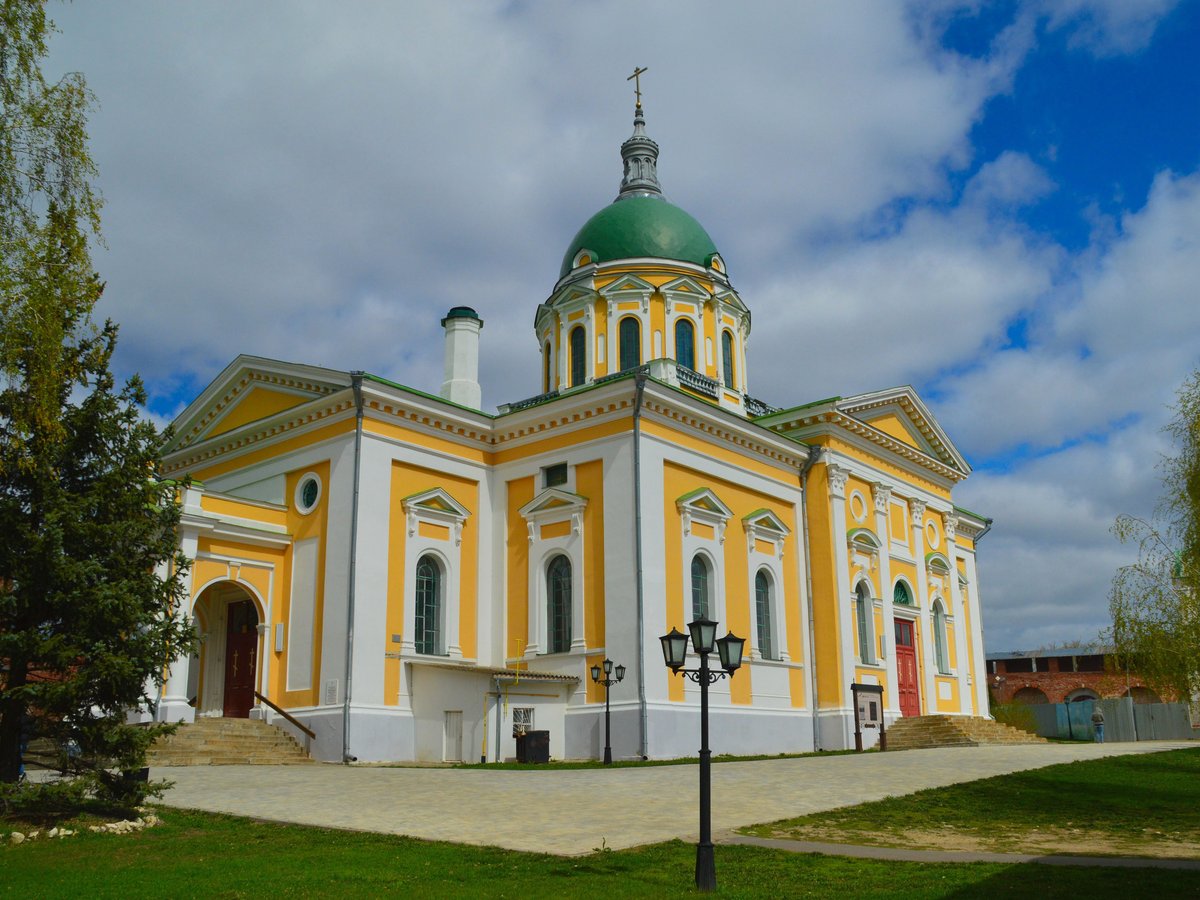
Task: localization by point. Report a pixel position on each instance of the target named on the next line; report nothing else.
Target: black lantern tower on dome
(703, 633)
(608, 681)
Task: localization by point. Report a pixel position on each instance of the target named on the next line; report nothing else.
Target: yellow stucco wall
(678, 481)
(407, 480)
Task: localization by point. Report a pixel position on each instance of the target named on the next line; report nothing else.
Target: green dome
(641, 226)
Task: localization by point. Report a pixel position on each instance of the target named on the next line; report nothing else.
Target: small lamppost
(729, 650)
(608, 681)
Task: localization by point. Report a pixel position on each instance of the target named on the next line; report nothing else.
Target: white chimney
(461, 386)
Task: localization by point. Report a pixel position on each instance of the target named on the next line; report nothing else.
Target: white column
(928, 691)
(174, 707)
(562, 351)
(718, 353)
(613, 358)
(962, 656)
(882, 494)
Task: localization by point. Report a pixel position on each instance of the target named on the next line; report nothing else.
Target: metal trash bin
(533, 747)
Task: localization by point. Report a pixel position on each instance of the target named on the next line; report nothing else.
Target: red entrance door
(241, 648)
(906, 670)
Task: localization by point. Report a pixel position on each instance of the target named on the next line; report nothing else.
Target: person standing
(1098, 724)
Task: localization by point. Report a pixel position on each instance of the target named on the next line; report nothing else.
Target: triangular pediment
(705, 501)
(437, 501)
(251, 389)
(765, 520)
(902, 415)
(552, 502)
(571, 295)
(628, 286)
(685, 286)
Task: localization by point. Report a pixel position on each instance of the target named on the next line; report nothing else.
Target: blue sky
(997, 203)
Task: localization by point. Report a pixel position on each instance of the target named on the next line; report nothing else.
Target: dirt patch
(1065, 841)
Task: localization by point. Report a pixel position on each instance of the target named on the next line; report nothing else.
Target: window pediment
(687, 289)
(938, 567)
(628, 288)
(864, 547)
(764, 525)
(937, 564)
(554, 505)
(438, 507)
(705, 507)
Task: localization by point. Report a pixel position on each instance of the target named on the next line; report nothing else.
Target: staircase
(919, 732)
(227, 742)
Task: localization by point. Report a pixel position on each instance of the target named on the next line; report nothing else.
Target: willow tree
(1155, 601)
(89, 574)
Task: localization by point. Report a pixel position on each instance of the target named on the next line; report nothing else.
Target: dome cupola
(640, 223)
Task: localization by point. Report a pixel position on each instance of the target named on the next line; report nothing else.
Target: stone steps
(227, 742)
(919, 732)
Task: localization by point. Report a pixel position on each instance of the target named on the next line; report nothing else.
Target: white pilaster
(882, 494)
(979, 684)
(961, 655)
(843, 600)
(929, 696)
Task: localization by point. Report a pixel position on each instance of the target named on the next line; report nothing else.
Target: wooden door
(241, 650)
(906, 670)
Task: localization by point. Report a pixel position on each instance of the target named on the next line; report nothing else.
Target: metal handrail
(287, 715)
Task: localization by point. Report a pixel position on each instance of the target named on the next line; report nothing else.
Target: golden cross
(637, 83)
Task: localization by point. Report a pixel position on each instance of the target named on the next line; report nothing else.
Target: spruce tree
(90, 577)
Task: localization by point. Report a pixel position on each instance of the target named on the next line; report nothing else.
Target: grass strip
(203, 855)
(1144, 798)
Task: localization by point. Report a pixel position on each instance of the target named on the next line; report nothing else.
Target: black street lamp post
(729, 650)
(608, 681)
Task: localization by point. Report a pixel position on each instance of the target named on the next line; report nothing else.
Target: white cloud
(1108, 27)
(1049, 561)
(267, 167)
(290, 181)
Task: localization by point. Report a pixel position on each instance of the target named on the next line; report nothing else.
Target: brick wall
(1057, 685)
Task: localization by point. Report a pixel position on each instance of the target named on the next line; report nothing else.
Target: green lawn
(1151, 798)
(199, 855)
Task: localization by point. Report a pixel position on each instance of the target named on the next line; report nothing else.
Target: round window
(308, 492)
(933, 534)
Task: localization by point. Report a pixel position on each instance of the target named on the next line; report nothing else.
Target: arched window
(578, 356)
(762, 605)
(558, 605)
(864, 612)
(940, 651)
(685, 343)
(727, 357)
(546, 382)
(701, 588)
(428, 637)
(631, 343)
(901, 595)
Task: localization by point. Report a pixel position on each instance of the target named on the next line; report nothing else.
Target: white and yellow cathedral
(415, 579)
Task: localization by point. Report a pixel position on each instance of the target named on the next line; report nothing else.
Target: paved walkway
(575, 811)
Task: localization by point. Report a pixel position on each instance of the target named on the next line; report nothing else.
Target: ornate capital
(950, 527)
(883, 496)
(916, 509)
(837, 480)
